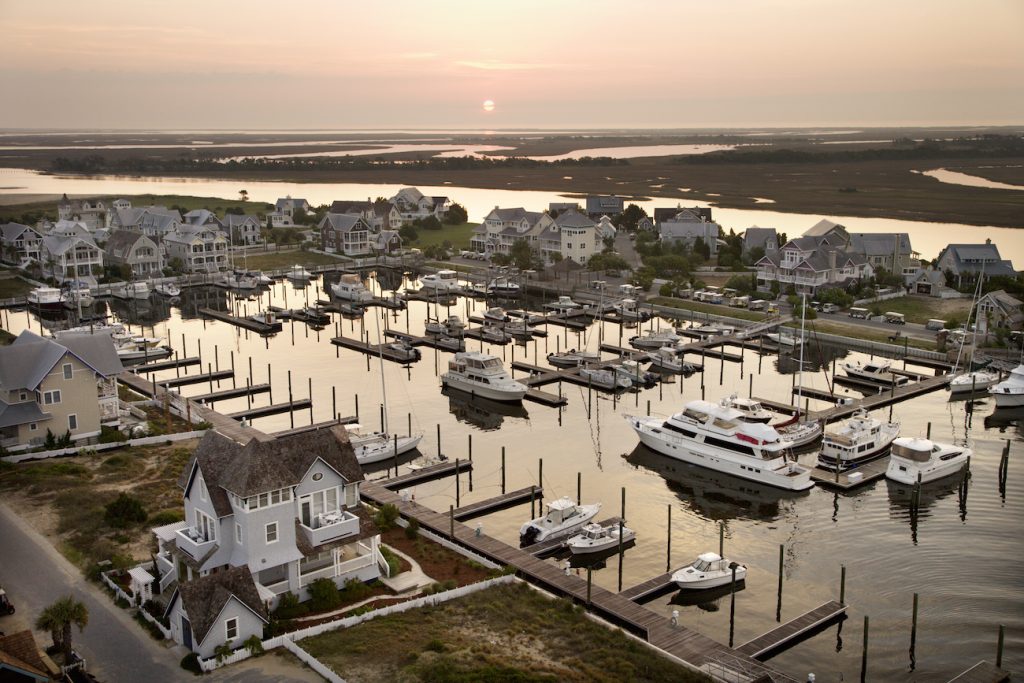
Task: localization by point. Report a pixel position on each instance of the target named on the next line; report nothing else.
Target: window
(32, 427)
(238, 533)
(231, 628)
(24, 396)
(72, 422)
(202, 489)
(51, 397)
(67, 371)
(271, 531)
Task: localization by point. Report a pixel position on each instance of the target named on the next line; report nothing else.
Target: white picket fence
(313, 663)
(156, 622)
(117, 589)
(346, 622)
(98, 447)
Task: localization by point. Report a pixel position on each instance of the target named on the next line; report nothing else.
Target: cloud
(496, 65)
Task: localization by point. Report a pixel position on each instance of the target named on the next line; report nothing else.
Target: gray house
(967, 261)
(21, 242)
(135, 250)
(241, 230)
(609, 205)
(686, 226)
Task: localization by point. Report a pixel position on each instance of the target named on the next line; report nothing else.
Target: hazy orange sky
(548, 63)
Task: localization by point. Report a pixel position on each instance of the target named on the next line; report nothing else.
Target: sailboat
(972, 381)
(371, 447)
(800, 433)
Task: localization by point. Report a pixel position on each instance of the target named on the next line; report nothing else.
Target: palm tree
(58, 619)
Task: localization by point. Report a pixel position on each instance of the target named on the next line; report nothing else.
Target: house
(120, 204)
(284, 211)
(931, 282)
(217, 609)
(69, 252)
(413, 204)
(559, 207)
(386, 216)
(645, 223)
(90, 213)
(21, 242)
(571, 234)
(153, 221)
(502, 228)
(21, 660)
(598, 205)
(687, 226)
(68, 386)
(135, 250)
(386, 241)
(201, 217)
(341, 233)
(664, 214)
(605, 229)
(275, 514)
(817, 260)
(888, 250)
(966, 261)
(200, 249)
(998, 309)
(241, 230)
(765, 239)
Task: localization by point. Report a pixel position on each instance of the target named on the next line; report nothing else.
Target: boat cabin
(711, 562)
(559, 511)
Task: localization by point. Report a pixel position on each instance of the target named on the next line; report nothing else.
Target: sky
(342, 64)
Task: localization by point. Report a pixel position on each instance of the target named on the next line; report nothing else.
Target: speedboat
(236, 280)
(637, 376)
(667, 360)
(483, 375)
(563, 304)
(1010, 392)
(628, 310)
(709, 570)
(168, 289)
(502, 287)
(377, 446)
(130, 290)
(861, 439)
(604, 379)
(564, 517)
(708, 331)
(494, 334)
(299, 275)
(496, 314)
(530, 318)
(975, 381)
(750, 409)
(402, 351)
(572, 358)
(715, 436)
(877, 371)
(351, 288)
(655, 340)
(785, 339)
(916, 459)
(441, 281)
(593, 538)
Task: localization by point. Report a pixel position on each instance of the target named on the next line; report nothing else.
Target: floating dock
(372, 349)
(198, 378)
(305, 429)
(272, 409)
(650, 589)
(869, 472)
(244, 323)
(794, 630)
(883, 399)
(983, 672)
(505, 500)
(168, 364)
(238, 392)
(429, 473)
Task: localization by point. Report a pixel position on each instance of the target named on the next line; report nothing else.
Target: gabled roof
(969, 257)
(880, 243)
(343, 222)
(755, 237)
(120, 242)
(12, 414)
(12, 231)
(515, 214)
(665, 214)
(352, 207)
(294, 201)
(187, 233)
(95, 350)
(802, 243)
(19, 653)
(822, 228)
(1003, 301)
(230, 220)
(205, 598)
(29, 358)
(200, 217)
(573, 219)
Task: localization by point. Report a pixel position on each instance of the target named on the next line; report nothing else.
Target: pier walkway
(793, 630)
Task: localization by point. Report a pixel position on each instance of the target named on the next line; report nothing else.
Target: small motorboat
(628, 310)
(434, 327)
(450, 343)
(709, 570)
(518, 329)
(238, 280)
(299, 275)
(915, 459)
(494, 334)
(785, 339)
(604, 379)
(530, 318)
(502, 287)
(667, 360)
(655, 340)
(351, 288)
(572, 358)
(168, 289)
(268, 318)
(637, 376)
(402, 351)
(454, 327)
(878, 372)
(564, 304)
(593, 538)
(312, 315)
(800, 434)
(496, 314)
(563, 518)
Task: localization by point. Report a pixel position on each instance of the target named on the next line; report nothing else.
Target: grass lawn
(702, 307)
(274, 260)
(869, 334)
(458, 235)
(921, 309)
(11, 287)
(505, 633)
(13, 212)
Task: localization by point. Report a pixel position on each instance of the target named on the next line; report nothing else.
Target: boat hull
(1008, 400)
(831, 462)
(980, 384)
(701, 582)
(381, 447)
(905, 472)
(474, 389)
(612, 541)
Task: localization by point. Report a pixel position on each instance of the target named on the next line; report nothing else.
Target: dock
(198, 378)
(244, 323)
(650, 589)
(869, 472)
(553, 546)
(305, 429)
(429, 473)
(505, 500)
(239, 392)
(415, 340)
(272, 409)
(168, 364)
(794, 630)
(883, 399)
(540, 376)
(775, 406)
(983, 672)
(372, 349)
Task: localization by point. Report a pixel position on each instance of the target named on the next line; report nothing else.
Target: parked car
(829, 308)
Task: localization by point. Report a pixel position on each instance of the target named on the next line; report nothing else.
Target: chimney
(832, 259)
(988, 240)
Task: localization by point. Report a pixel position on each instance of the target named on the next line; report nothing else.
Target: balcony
(331, 526)
(191, 541)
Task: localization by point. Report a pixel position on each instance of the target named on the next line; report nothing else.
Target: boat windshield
(702, 565)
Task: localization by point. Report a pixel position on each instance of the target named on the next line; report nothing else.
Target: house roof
(120, 242)
(95, 350)
(970, 257)
(204, 598)
(12, 414)
(755, 237)
(1007, 303)
(665, 214)
(12, 231)
(343, 222)
(880, 243)
(28, 359)
(19, 652)
(294, 201)
(514, 214)
(822, 228)
(342, 206)
(573, 219)
(200, 217)
(230, 220)
(802, 243)
(186, 233)
(260, 466)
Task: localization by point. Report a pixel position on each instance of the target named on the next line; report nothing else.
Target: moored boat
(876, 371)
(563, 518)
(483, 375)
(604, 379)
(572, 358)
(441, 281)
(915, 459)
(750, 409)
(594, 538)
(378, 446)
(637, 376)
(709, 570)
(1010, 392)
(655, 340)
(168, 289)
(563, 304)
(860, 439)
(975, 381)
(351, 288)
(667, 360)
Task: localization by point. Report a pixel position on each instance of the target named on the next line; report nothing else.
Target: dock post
(589, 570)
(357, 407)
(782, 557)
(270, 383)
(234, 383)
(590, 397)
(999, 646)
(621, 550)
(451, 522)
(928, 432)
(864, 654)
(396, 455)
(251, 380)
(409, 423)
(209, 370)
(721, 364)
(503, 472)
(334, 402)
(470, 463)
(732, 603)
(842, 584)
(721, 539)
(913, 630)
(439, 439)
(309, 388)
(382, 417)
(540, 483)
(751, 393)
(533, 509)
(648, 407)
(668, 541)
(579, 488)
(458, 497)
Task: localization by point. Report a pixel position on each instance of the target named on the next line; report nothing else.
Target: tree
(244, 194)
(124, 511)
(408, 234)
(457, 215)
(428, 223)
(631, 216)
(300, 216)
(521, 255)
(59, 617)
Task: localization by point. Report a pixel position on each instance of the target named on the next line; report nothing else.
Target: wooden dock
(983, 672)
(372, 349)
(415, 340)
(168, 364)
(272, 409)
(244, 323)
(793, 631)
(775, 406)
(650, 589)
(553, 546)
(505, 500)
(429, 473)
(198, 378)
(305, 429)
(238, 392)
(540, 376)
(883, 399)
(869, 472)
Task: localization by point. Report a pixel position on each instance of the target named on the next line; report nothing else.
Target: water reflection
(716, 495)
(481, 412)
(817, 357)
(709, 599)
(1005, 419)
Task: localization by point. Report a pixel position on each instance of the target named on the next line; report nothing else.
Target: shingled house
(286, 510)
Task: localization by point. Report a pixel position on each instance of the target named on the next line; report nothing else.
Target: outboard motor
(528, 537)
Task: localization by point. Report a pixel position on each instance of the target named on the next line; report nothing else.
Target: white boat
(530, 318)
(667, 360)
(450, 343)
(628, 310)
(402, 351)
(655, 340)
(975, 381)
(637, 376)
(563, 518)
(238, 280)
(454, 327)
(563, 304)
(482, 375)
(519, 329)
(916, 459)
(785, 339)
(378, 446)
(861, 439)
(1010, 392)
(168, 289)
(262, 279)
(709, 570)
(594, 538)
(77, 293)
(496, 314)
(45, 298)
(130, 290)
(434, 327)
(800, 434)
(604, 379)
(299, 274)
(877, 371)
(572, 358)
(441, 281)
(130, 351)
(351, 288)
(502, 287)
(750, 410)
(266, 318)
(708, 331)
(494, 334)
(715, 436)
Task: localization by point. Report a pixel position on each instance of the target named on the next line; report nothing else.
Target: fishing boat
(667, 360)
(594, 538)
(351, 288)
(1010, 392)
(785, 339)
(750, 409)
(441, 281)
(715, 436)
(876, 371)
(572, 358)
(859, 440)
(637, 376)
(494, 334)
(496, 314)
(268, 318)
(130, 290)
(299, 275)
(130, 351)
(502, 286)
(563, 304)
(262, 279)
(454, 327)
(168, 289)
(402, 351)
(483, 375)
(529, 318)
(604, 379)
(630, 311)
(709, 570)
(562, 519)
(312, 315)
(655, 340)
(371, 447)
(913, 460)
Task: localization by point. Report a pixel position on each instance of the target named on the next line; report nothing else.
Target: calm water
(635, 151)
(927, 238)
(962, 557)
(957, 178)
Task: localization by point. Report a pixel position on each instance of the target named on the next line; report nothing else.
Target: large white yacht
(877, 371)
(1010, 392)
(441, 281)
(563, 517)
(915, 457)
(716, 436)
(482, 375)
(861, 439)
(351, 288)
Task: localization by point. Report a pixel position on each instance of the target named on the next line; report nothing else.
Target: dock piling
(668, 541)
(864, 654)
(579, 488)
(842, 584)
(999, 646)
(721, 539)
(782, 557)
(503, 474)
(913, 632)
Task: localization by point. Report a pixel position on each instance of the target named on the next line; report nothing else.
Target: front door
(186, 633)
(306, 513)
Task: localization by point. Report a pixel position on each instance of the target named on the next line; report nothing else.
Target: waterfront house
(386, 241)
(998, 309)
(888, 250)
(342, 233)
(69, 252)
(666, 214)
(200, 249)
(765, 239)
(285, 510)
(62, 387)
(501, 229)
(153, 221)
(90, 213)
(284, 211)
(571, 234)
(21, 242)
(135, 250)
(817, 260)
(413, 204)
(241, 230)
(687, 226)
(604, 205)
(967, 261)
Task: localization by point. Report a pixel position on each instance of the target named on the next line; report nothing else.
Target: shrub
(434, 645)
(289, 607)
(386, 517)
(413, 530)
(354, 591)
(253, 645)
(394, 562)
(190, 662)
(124, 511)
(323, 595)
(149, 626)
(166, 517)
(111, 435)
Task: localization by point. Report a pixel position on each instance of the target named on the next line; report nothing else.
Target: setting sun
(488, 105)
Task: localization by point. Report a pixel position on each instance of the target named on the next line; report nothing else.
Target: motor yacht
(1010, 392)
(572, 358)
(655, 340)
(709, 570)
(441, 281)
(594, 538)
(860, 439)
(750, 409)
(877, 371)
(563, 518)
(483, 375)
(351, 288)
(916, 459)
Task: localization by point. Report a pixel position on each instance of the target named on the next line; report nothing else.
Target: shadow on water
(481, 412)
(715, 495)
(709, 599)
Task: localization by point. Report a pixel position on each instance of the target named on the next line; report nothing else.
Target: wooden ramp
(983, 672)
(794, 630)
(168, 364)
(238, 392)
(273, 409)
(650, 589)
(505, 500)
(429, 473)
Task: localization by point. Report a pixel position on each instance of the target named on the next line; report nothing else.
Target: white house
(501, 228)
(413, 204)
(69, 252)
(21, 242)
(135, 250)
(201, 249)
(241, 230)
(284, 211)
(570, 234)
(687, 226)
(90, 213)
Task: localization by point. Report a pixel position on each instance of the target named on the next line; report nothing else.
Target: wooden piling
(782, 557)
(668, 541)
(864, 654)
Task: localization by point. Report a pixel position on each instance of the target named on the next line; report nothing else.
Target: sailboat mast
(383, 384)
(800, 370)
